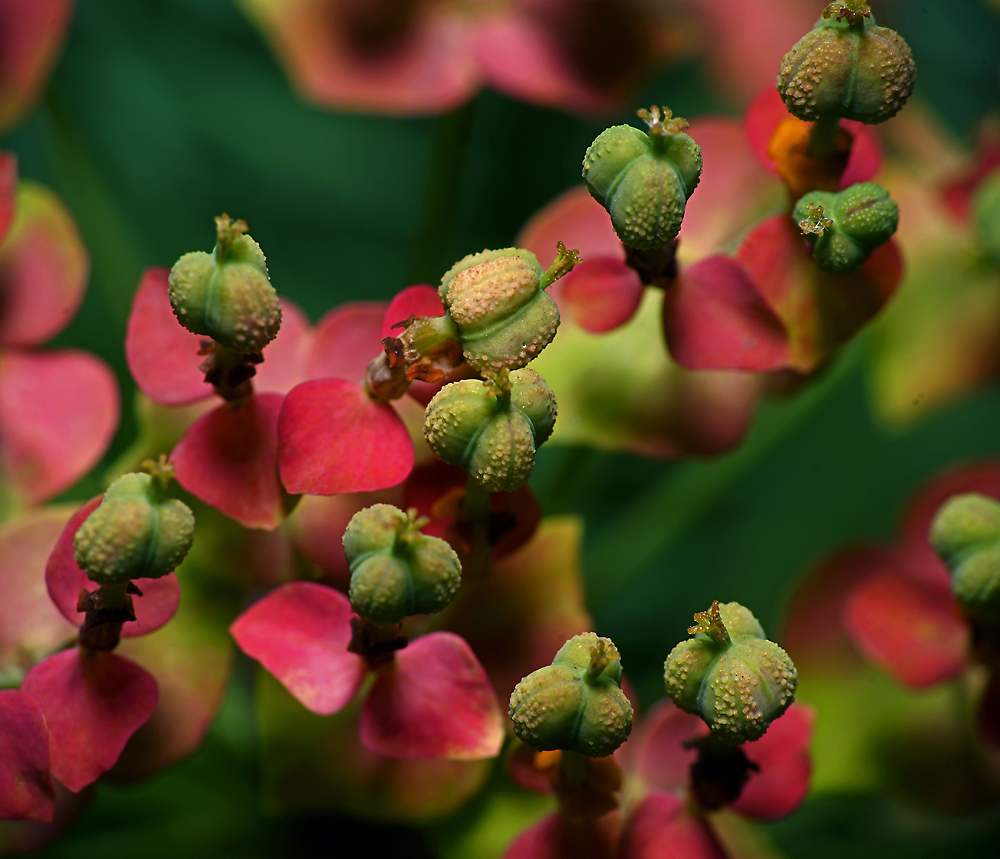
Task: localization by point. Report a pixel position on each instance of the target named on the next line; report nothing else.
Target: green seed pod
(498, 303)
(226, 295)
(644, 180)
(491, 433)
(395, 570)
(135, 533)
(847, 68)
(986, 215)
(846, 226)
(966, 535)
(576, 703)
(730, 675)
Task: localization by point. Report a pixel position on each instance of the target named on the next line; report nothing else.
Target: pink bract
(229, 459)
(58, 412)
(662, 825)
(334, 438)
(30, 37)
(92, 705)
(300, 634)
(64, 578)
(433, 701)
(557, 837)
(26, 791)
(8, 190)
(345, 341)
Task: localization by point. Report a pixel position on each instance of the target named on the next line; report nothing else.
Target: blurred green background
(163, 113)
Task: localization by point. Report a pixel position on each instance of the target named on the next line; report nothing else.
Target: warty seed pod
(847, 69)
(395, 570)
(846, 226)
(644, 180)
(226, 295)
(498, 302)
(491, 434)
(965, 534)
(576, 703)
(730, 675)
(135, 533)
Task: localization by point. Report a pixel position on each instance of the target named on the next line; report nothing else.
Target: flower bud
(644, 180)
(846, 226)
(498, 302)
(490, 432)
(135, 533)
(730, 675)
(966, 535)
(226, 295)
(847, 68)
(395, 570)
(576, 703)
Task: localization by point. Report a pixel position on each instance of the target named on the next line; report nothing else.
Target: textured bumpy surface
(966, 535)
(644, 181)
(844, 71)
(863, 217)
(230, 300)
(134, 533)
(494, 438)
(561, 706)
(503, 315)
(737, 686)
(395, 570)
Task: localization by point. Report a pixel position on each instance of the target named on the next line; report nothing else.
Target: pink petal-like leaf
(714, 318)
(819, 310)
(64, 578)
(661, 825)
(26, 791)
(577, 220)
(300, 634)
(909, 627)
(30, 623)
(558, 837)
(601, 294)
(43, 269)
(371, 56)
(767, 111)
(656, 751)
(335, 439)
(229, 459)
(30, 37)
(190, 658)
(8, 191)
(92, 704)
(345, 341)
(162, 355)
(419, 300)
(433, 701)
(58, 413)
(286, 357)
(782, 754)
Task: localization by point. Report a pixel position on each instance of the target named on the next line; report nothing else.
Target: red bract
(30, 37)
(26, 791)
(428, 56)
(92, 703)
(64, 578)
(301, 632)
(58, 410)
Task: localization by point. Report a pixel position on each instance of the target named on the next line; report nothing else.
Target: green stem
(476, 512)
(823, 136)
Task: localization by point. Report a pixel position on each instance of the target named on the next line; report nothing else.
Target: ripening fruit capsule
(135, 533)
(966, 535)
(847, 69)
(395, 570)
(226, 294)
(576, 703)
(490, 432)
(644, 180)
(498, 302)
(730, 675)
(846, 226)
